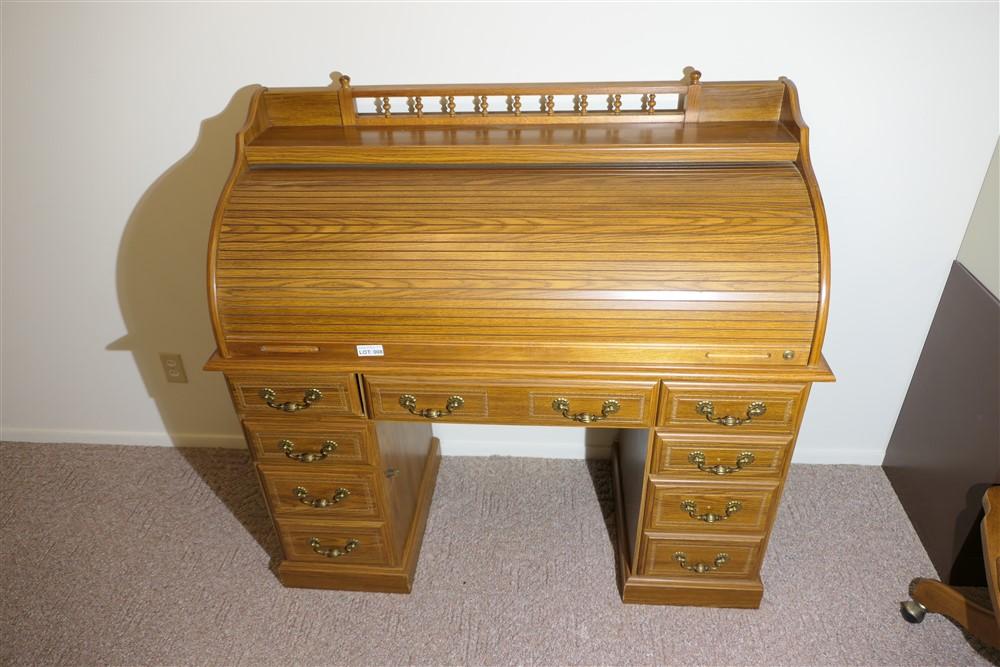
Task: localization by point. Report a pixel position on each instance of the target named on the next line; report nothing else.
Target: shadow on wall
(163, 298)
(162, 285)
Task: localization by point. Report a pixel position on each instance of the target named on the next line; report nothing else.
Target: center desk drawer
(288, 396)
(559, 403)
(337, 495)
(731, 408)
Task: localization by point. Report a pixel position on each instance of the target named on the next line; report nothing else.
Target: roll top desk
(644, 256)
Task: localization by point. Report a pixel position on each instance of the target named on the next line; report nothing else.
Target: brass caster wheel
(912, 611)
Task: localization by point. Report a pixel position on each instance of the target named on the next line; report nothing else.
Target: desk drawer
(731, 408)
(559, 403)
(709, 508)
(690, 557)
(312, 445)
(706, 456)
(290, 397)
(355, 544)
(337, 495)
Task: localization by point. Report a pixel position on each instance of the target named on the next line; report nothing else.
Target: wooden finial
(345, 81)
(694, 76)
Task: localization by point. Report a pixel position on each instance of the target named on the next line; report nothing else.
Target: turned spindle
(483, 105)
(583, 105)
(650, 102)
(418, 105)
(451, 105)
(385, 107)
(617, 105)
(517, 105)
(550, 104)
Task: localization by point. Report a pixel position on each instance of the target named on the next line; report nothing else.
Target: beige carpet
(142, 556)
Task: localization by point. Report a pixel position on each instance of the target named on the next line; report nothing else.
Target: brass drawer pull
(310, 397)
(609, 408)
(743, 460)
(333, 552)
(755, 409)
(409, 401)
(303, 496)
(691, 507)
(307, 457)
(701, 568)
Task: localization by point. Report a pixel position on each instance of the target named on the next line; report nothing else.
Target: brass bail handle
(287, 446)
(409, 401)
(691, 507)
(333, 552)
(701, 568)
(304, 498)
(754, 409)
(742, 461)
(608, 408)
(310, 397)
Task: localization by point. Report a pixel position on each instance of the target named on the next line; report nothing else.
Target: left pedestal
(348, 496)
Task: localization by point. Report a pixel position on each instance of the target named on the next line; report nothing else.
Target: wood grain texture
(737, 594)
(665, 513)
(351, 437)
(990, 529)
(404, 450)
(340, 395)
(373, 541)
(791, 116)
(679, 402)
(417, 260)
(514, 402)
(644, 258)
(640, 140)
(672, 455)
(744, 556)
(280, 482)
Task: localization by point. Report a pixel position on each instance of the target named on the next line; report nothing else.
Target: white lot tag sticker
(370, 351)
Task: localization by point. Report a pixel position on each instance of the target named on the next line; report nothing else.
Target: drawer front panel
(360, 544)
(709, 508)
(293, 397)
(562, 403)
(707, 457)
(337, 495)
(387, 395)
(731, 409)
(683, 556)
(311, 445)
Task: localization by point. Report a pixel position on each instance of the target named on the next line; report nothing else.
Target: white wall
(117, 135)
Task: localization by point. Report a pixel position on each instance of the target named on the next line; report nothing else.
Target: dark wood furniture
(645, 256)
(929, 595)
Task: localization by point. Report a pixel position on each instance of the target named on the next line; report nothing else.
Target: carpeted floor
(143, 556)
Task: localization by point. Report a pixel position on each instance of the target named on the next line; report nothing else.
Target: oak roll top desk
(644, 256)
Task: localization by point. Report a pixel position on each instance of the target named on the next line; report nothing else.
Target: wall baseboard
(152, 439)
(838, 456)
(466, 445)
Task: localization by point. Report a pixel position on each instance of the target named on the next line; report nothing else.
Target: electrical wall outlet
(173, 367)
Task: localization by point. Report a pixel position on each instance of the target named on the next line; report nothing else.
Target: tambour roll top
(635, 223)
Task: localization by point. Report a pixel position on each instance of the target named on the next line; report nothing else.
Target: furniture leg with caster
(933, 596)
